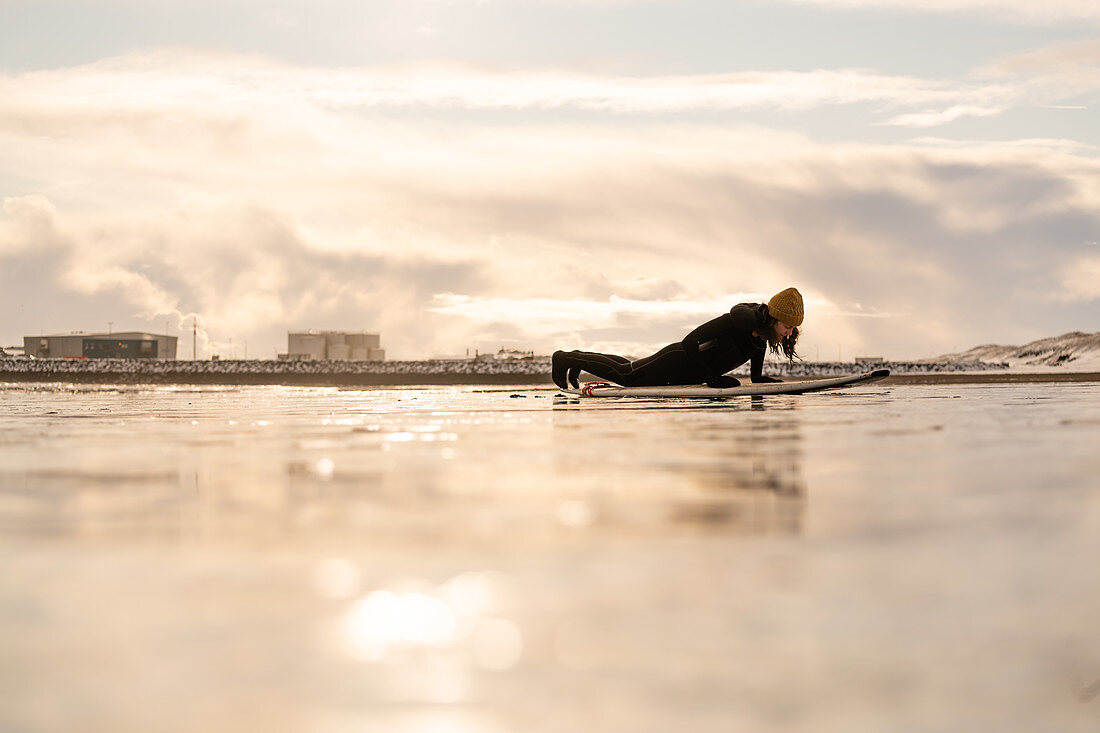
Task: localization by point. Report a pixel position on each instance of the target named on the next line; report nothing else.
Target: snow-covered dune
(1076, 351)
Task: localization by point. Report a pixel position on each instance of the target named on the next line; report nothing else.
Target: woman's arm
(756, 368)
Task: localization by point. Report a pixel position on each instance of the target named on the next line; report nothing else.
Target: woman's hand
(723, 382)
(766, 380)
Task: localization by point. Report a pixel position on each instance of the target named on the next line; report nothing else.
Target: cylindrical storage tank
(372, 340)
(376, 355)
(357, 341)
(338, 352)
(359, 354)
(333, 338)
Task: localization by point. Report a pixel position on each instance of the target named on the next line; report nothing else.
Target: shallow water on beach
(469, 559)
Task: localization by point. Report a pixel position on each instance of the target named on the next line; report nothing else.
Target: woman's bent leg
(670, 365)
(605, 366)
(574, 372)
(567, 365)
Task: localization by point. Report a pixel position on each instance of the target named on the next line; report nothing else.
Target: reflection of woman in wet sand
(705, 354)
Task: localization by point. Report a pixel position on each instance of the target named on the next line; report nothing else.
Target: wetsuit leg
(573, 373)
(605, 366)
(670, 365)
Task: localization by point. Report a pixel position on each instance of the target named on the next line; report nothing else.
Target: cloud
(1050, 12)
(551, 313)
(243, 270)
(267, 198)
(936, 118)
(953, 242)
(473, 89)
(1074, 57)
(140, 88)
(1060, 72)
(28, 225)
(1081, 280)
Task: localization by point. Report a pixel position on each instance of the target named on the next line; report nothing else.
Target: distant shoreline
(446, 373)
(334, 379)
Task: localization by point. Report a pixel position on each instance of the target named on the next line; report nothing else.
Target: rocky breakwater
(306, 373)
(809, 369)
(381, 373)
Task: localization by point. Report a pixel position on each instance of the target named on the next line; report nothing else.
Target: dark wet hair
(784, 347)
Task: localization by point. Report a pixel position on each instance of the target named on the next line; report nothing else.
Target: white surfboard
(603, 389)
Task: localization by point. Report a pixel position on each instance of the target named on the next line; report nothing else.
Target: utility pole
(194, 337)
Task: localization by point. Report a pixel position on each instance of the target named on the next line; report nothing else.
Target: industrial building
(124, 345)
(334, 346)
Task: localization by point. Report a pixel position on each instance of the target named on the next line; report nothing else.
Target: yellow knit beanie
(786, 305)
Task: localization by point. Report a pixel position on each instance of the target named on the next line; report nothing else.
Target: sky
(461, 175)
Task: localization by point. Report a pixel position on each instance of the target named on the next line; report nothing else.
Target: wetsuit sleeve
(756, 369)
(756, 366)
(709, 331)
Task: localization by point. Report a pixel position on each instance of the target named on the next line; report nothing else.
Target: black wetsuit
(704, 355)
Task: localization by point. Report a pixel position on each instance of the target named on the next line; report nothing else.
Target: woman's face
(782, 330)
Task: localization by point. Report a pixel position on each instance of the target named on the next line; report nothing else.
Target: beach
(902, 557)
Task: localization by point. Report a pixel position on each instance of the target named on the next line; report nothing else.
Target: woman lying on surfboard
(705, 354)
